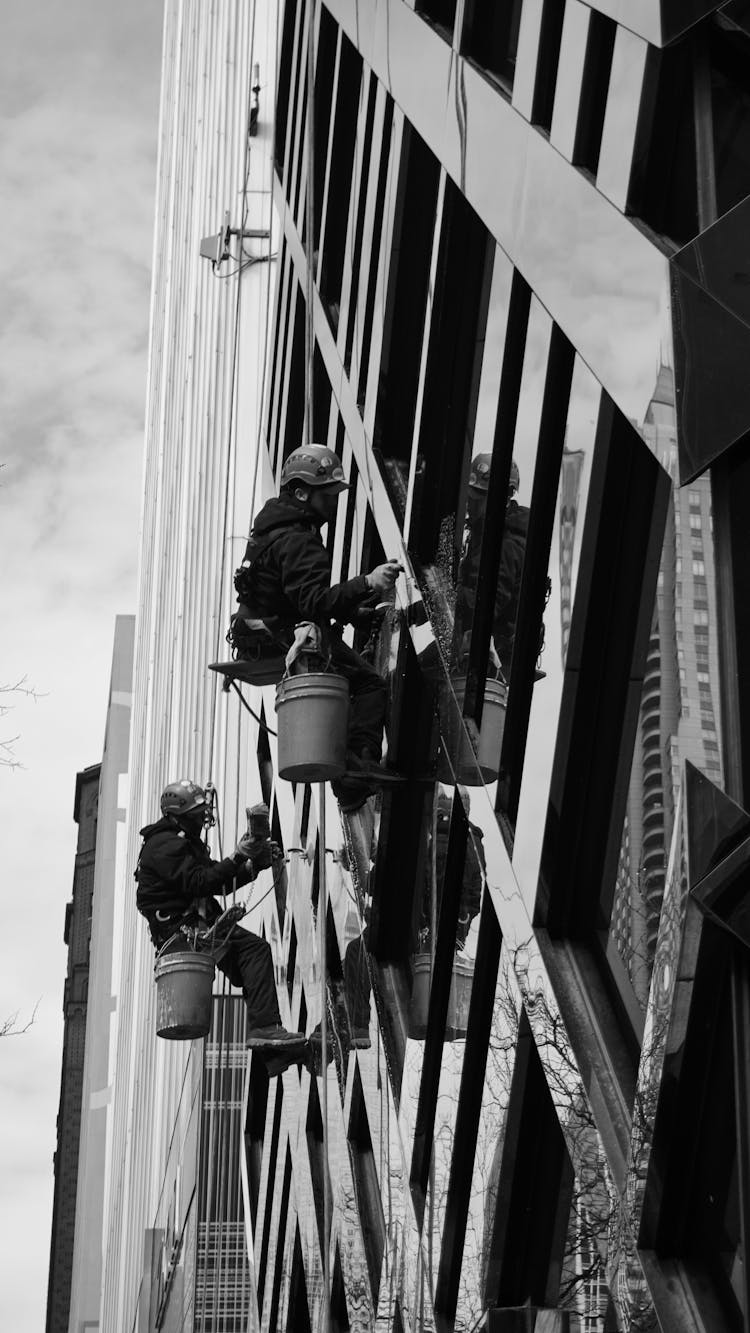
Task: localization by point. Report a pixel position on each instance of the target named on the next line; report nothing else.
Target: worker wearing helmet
(507, 592)
(286, 580)
(177, 879)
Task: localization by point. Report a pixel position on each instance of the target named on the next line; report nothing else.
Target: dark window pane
(730, 98)
(595, 86)
(547, 60)
(340, 179)
(405, 312)
(459, 316)
(285, 75)
(663, 189)
(442, 13)
(325, 64)
(490, 37)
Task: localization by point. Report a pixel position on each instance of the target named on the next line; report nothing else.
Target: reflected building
(679, 713)
(493, 226)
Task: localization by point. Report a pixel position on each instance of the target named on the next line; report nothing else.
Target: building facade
(75, 1006)
(503, 234)
(174, 1251)
(88, 1195)
(509, 227)
(75, 1259)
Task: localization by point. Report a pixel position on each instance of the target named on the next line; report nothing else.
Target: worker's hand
(382, 579)
(264, 854)
(249, 848)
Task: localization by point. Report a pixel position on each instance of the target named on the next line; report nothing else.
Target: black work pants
(247, 962)
(368, 697)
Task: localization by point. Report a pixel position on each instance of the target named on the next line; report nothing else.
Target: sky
(79, 106)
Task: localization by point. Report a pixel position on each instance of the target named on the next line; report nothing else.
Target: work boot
(278, 1064)
(315, 1042)
(273, 1038)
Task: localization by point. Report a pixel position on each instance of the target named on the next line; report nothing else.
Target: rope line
(309, 429)
(251, 711)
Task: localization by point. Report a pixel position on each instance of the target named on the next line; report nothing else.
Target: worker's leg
(248, 963)
(357, 984)
(368, 697)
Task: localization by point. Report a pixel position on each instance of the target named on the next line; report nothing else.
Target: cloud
(78, 129)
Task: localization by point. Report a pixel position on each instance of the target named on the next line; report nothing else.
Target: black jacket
(290, 571)
(173, 870)
(512, 551)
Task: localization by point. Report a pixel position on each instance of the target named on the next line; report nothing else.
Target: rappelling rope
(309, 426)
(215, 1199)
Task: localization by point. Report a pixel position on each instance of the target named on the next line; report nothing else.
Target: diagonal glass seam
(686, 275)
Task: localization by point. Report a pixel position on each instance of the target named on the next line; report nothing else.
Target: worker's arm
(197, 878)
(306, 580)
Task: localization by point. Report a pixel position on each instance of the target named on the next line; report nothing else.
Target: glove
(246, 848)
(261, 851)
(382, 579)
(306, 639)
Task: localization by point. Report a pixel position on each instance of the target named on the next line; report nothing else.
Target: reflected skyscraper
(679, 713)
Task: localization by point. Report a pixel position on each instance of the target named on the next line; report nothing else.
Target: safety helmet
(183, 798)
(479, 473)
(314, 465)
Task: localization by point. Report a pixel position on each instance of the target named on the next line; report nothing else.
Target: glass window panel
(340, 180)
(730, 103)
(548, 58)
(490, 38)
(464, 937)
(562, 575)
(478, 527)
(461, 291)
(496, 1091)
(526, 56)
(570, 76)
(682, 677)
(404, 320)
(594, 91)
(663, 190)
(441, 13)
(442, 578)
(621, 116)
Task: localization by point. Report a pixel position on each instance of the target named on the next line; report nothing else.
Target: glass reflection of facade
(527, 330)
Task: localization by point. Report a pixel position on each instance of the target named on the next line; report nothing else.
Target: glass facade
(524, 312)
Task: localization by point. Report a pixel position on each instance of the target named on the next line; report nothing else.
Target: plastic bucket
(184, 985)
(487, 757)
(313, 714)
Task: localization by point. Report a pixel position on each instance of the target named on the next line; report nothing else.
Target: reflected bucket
(457, 1019)
(184, 985)
(313, 715)
(472, 769)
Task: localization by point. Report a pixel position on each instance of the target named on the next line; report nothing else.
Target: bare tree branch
(10, 1027)
(7, 746)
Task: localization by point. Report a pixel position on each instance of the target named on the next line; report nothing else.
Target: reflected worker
(507, 592)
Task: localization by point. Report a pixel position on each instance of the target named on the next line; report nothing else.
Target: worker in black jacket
(512, 552)
(177, 879)
(286, 580)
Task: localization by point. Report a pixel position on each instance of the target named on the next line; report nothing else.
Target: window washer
(285, 581)
(507, 592)
(177, 878)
